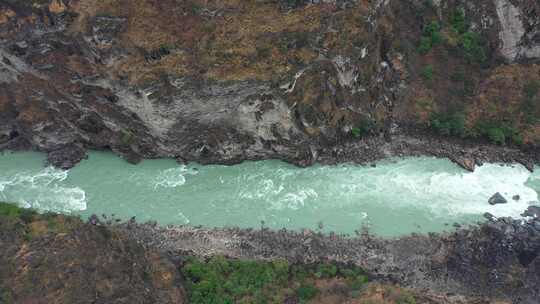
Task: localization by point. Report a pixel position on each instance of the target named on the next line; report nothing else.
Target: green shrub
(457, 20)
(448, 123)
(473, 48)
(496, 135)
(425, 45)
(357, 282)
(427, 72)
(306, 292)
(430, 37)
(499, 132)
(326, 271)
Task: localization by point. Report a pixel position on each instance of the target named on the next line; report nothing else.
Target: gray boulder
(497, 199)
(532, 211)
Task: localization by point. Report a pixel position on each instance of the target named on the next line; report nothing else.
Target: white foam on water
(295, 200)
(263, 189)
(44, 190)
(449, 194)
(173, 177)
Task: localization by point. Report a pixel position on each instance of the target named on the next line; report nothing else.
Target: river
(393, 198)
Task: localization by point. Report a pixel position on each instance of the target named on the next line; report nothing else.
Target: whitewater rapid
(396, 197)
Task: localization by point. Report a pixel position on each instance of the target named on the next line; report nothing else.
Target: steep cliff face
(224, 81)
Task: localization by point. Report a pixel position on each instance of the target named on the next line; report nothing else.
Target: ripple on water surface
(396, 197)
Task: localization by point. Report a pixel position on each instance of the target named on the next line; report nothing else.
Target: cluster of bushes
(469, 43)
(220, 280)
(430, 37)
(448, 123)
(498, 132)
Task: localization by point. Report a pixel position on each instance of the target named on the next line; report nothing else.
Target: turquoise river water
(394, 198)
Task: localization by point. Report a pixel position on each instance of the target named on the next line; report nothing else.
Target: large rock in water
(532, 211)
(497, 199)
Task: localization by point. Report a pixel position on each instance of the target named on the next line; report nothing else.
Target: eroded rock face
(517, 41)
(225, 82)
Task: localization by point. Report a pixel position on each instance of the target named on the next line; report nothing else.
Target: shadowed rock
(497, 199)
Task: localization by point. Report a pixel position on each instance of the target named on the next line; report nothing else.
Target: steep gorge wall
(224, 81)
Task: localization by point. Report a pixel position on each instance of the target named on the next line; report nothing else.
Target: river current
(393, 198)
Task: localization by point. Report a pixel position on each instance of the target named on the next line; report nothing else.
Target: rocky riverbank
(499, 259)
(58, 258)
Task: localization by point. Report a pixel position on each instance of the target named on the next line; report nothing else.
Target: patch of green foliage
(473, 47)
(448, 123)
(499, 132)
(431, 36)
(234, 281)
(326, 270)
(220, 280)
(458, 22)
(427, 72)
(12, 211)
(306, 292)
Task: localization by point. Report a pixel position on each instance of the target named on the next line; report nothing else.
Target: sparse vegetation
(363, 128)
(469, 44)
